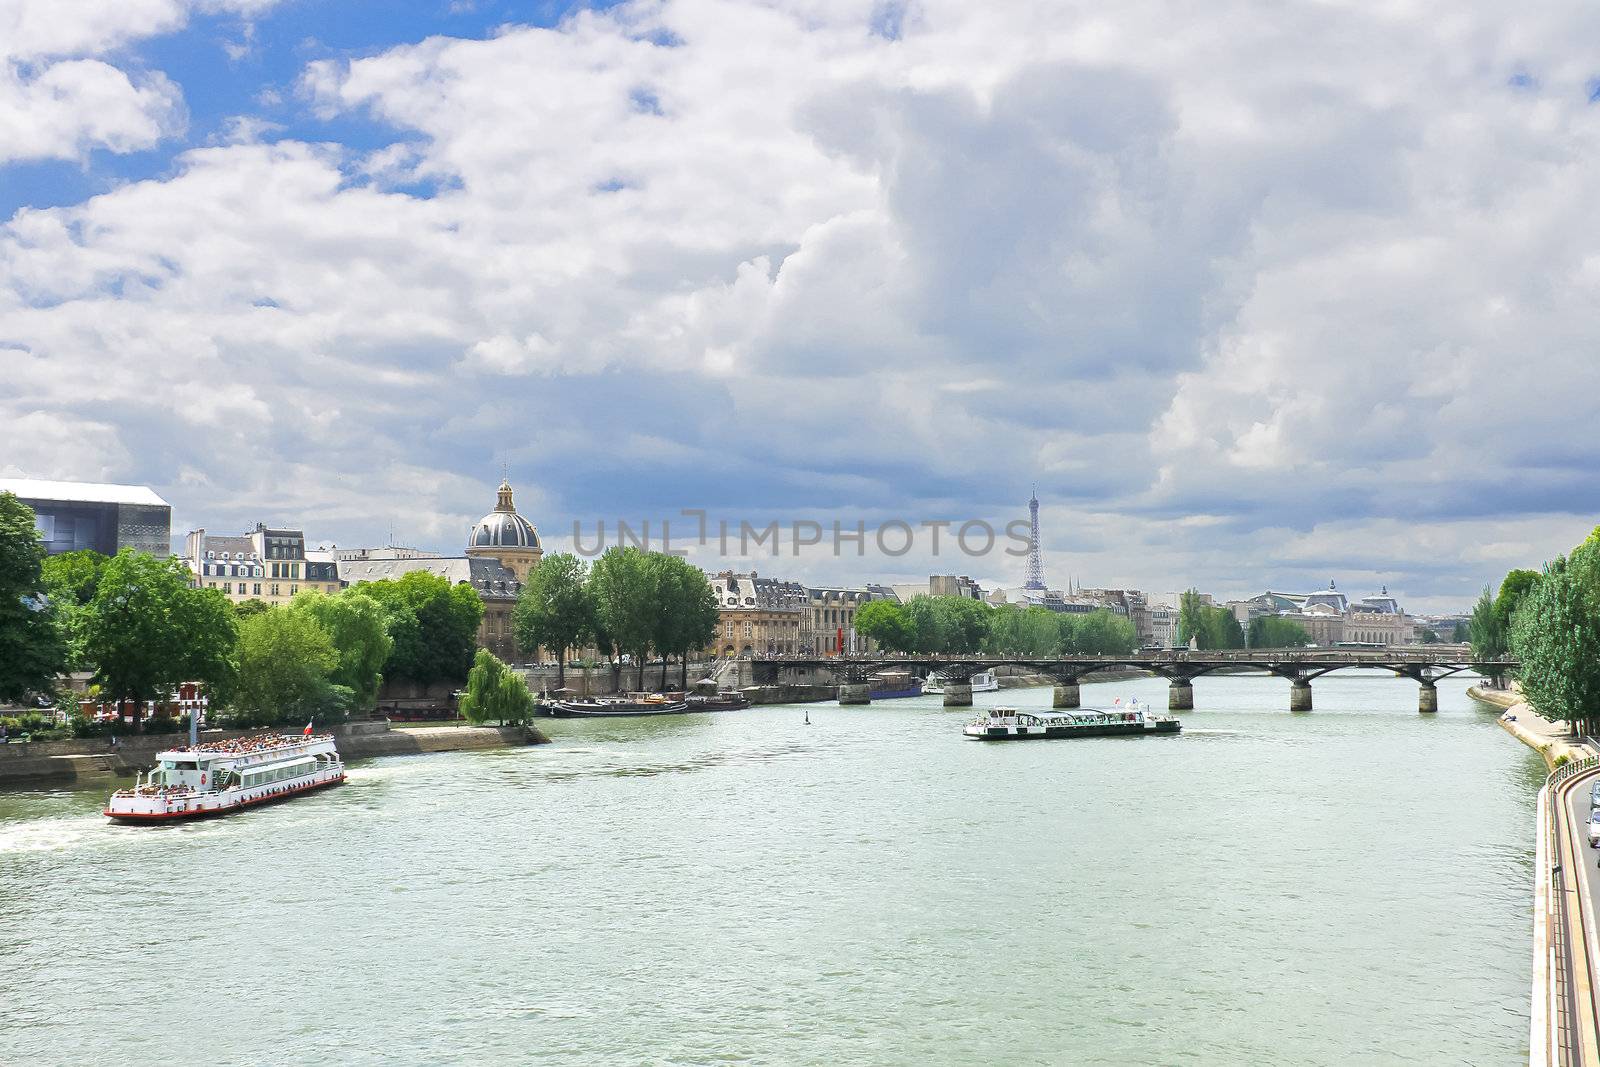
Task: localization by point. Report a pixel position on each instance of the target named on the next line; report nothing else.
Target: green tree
(554, 610)
(1556, 636)
(1462, 634)
(1032, 631)
(1099, 632)
(494, 692)
(70, 580)
(885, 622)
(1516, 586)
(358, 627)
(1191, 617)
(246, 608)
(626, 597)
(1489, 639)
(687, 615)
(1270, 631)
(1210, 626)
(286, 659)
(32, 651)
(148, 631)
(433, 624)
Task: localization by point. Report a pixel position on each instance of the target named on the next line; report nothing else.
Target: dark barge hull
(563, 710)
(1038, 733)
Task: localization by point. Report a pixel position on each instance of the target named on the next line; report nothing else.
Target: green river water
(1346, 886)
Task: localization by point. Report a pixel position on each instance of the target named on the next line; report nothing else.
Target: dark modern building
(105, 518)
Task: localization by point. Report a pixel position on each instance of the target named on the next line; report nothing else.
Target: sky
(1258, 296)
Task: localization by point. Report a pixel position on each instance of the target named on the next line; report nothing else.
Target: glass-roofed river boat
(1009, 724)
(217, 777)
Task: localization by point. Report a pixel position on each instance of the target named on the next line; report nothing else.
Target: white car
(1594, 828)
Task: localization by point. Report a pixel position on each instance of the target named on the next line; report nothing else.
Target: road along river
(1350, 885)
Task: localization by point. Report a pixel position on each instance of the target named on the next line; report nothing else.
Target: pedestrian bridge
(1424, 664)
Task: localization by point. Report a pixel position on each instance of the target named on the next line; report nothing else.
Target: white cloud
(1304, 275)
(66, 86)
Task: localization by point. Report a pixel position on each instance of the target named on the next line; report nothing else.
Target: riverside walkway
(1424, 664)
(1565, 1029)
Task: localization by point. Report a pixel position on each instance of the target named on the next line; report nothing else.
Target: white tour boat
(982, 682)
(1009, 724)
(218, 777)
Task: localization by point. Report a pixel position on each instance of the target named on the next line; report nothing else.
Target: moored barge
(219, 777)
(1009, 724)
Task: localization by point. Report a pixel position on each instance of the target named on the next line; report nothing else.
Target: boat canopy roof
(306, 761)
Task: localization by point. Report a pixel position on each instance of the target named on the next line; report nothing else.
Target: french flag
(308, 729)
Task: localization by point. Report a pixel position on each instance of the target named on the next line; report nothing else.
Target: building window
(293, 589)
(227, 587)
(274, 588)
(255, 590)
(747, 629)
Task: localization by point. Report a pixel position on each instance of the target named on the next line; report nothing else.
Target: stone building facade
(758, 616)
(266, 564)
(830, 620)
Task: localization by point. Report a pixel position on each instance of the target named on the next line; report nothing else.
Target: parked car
(1594, 795)
(1594, 828)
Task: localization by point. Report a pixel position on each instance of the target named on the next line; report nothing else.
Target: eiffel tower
(1035, 578)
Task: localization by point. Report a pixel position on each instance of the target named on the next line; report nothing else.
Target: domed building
(506, 536)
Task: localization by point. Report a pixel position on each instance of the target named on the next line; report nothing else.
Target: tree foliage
(1016, 631)
(554, 610)
(70, 580)
(626, 599)
(148, 630)
(32, 652)
(1555, 632)
(1211, 627)
(433, 626)
(286, 660)
(1100, 632)
(494, 692)
(1513, 590)
(686, 612)
(358, 628)
(885, 622)
(1270, 631)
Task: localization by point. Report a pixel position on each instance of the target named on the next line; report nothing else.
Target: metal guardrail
(1566, 1031)
(1571, 770)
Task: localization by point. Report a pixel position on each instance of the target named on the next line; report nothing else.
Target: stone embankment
(22, 763)
(1552, 740)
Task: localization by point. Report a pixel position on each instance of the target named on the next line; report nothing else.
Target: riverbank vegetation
(961, 625)
(1550, 621)
(630, 602)
(141, 627)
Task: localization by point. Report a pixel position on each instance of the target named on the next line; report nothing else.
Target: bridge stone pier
(1428, 698)
(958, 694)
(855, 693)
(1180, 695)
(1065, 695)
(1299, 695)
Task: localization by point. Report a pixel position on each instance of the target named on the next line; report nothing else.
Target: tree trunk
(561, 669)
(641, 670)
(683, 670)
(663, 672)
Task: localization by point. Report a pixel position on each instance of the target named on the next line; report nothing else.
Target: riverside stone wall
(22, 763)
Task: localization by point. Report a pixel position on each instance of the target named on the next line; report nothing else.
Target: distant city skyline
(1251, 300)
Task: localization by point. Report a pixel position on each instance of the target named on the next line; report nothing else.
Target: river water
(1346, 886)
